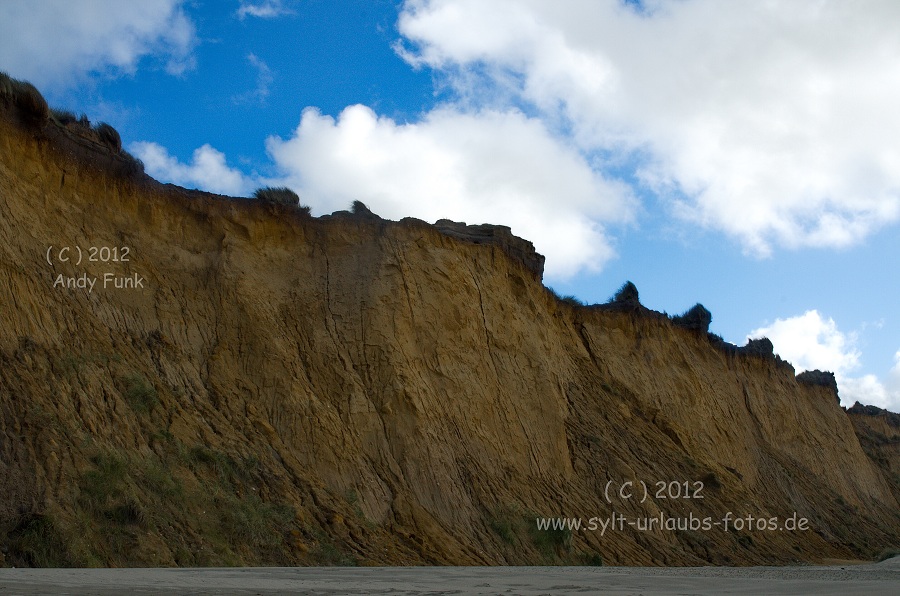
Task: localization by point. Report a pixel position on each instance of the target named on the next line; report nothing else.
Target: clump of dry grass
(281, 195)
(109, 136)
(24, 96)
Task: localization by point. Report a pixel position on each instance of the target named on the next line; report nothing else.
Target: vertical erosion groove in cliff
(285, 390)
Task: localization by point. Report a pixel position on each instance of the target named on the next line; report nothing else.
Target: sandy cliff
(253, 386)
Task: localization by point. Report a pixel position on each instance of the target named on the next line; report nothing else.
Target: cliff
(243, 384)
(879, 434)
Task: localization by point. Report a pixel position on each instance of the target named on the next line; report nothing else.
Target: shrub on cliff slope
(68, 118)
(550, 542)
(36, 541)
(280, 195)
(761, 347)
(518, 528)
(6, 86)
(821, 378)
(25, 96)
(626, 296)
(140, 394)
(63, 117)
(572, 301)
(569, 299)
(109, 136)
(697, 318)
(359, 209)
(135, 166)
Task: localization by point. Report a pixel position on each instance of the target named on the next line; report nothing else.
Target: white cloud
(207, 170)
(54, 43)
(810, 342)
(869, 390)
(268, 9)
(774, 122)
(264, 79)
(487, 167)
(893, 382)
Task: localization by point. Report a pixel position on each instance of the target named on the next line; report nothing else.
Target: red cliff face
(271, 388)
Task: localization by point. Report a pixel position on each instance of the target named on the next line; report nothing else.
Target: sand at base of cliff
(877, 578)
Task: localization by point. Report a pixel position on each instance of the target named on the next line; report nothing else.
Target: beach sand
(875, 578)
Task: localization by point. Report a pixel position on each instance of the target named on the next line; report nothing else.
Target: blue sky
(741, 155)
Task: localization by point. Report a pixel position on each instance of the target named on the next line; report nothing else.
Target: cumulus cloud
(810, 342)
(207, 170)
(868, 389)
(495, 167)
(487, 167)
(57, 42)
(263, 10)
(773, 122)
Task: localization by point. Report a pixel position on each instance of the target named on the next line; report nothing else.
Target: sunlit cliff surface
(257, 386)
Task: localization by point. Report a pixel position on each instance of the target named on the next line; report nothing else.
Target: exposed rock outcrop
(697, 319)
(761, 347)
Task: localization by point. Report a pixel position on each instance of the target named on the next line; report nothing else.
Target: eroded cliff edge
(290, 390)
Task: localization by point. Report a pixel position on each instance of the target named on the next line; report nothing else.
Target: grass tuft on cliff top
(281, 195)
(25, 96)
